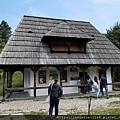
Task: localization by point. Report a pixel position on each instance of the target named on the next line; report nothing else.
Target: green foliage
(17, 81)
(113, 34)
(2, 44)
(5, 31)
(116, 74)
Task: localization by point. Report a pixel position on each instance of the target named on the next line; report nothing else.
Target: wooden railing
(27, 88)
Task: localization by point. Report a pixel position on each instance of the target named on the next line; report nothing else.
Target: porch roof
(26, 48)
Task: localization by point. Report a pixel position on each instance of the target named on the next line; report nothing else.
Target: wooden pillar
(34, 69)
(23, 76)
(7, 79)
(104, 69)
(10, 78)
(118, 73)
(4, 77)
(112, 68)
(83, 70)
(61, 74)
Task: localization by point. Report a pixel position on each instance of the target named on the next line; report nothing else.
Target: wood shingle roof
(26, 48)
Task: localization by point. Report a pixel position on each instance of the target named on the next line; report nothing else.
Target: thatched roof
(26, 48)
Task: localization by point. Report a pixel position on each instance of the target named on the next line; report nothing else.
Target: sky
(102, 14)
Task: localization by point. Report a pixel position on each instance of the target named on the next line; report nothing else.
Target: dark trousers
(54, 101)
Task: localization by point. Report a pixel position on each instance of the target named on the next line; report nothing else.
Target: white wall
(26, 78)
(92, 72)
(109, 78)
(29, 82)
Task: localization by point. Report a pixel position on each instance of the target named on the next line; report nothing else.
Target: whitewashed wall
(28, 80)
(92, 71)
(109, 78)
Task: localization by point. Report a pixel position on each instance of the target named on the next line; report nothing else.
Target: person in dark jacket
(55, 91)
(103, 82)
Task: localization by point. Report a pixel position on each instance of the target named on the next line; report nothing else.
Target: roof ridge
(54, 28)
(61, 19)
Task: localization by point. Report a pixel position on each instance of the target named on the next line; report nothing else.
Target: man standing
(103, 82)
(55, 92)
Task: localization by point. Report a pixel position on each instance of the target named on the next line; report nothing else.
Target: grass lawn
(17, 81)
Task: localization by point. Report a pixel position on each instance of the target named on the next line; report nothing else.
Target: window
(67, 46)
(42, 76)
(64, 75)
(77, 47)
(53, 74)
(73, 73)
(59, 46)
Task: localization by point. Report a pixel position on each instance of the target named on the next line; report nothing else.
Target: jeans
(54, 101)
(89, 87)
(106, 90)
(96, 90)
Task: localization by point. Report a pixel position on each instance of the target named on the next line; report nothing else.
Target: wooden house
(47, 48)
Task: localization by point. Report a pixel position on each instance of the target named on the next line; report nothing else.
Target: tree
(113, 34)
(5, 31)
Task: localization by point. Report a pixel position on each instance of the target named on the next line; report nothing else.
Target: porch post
(61, 75)
(112, 68)
(104, 69)
(83, 70)
(10, 78)
(34, 69)
(4, 77)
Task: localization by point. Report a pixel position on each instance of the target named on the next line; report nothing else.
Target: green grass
(114, 95)
(35, 115)
(115, 103)
(110, 111)
(98, 111)
(17, 81)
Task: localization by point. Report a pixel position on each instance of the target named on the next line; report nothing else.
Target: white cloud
(107, 1)
(36, 12)
(32, 10)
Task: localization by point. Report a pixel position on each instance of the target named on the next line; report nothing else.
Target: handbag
(47, 100)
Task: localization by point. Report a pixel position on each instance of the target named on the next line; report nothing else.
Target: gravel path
(65, 106)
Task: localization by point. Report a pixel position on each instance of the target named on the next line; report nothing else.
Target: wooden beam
(83, 70)
(4, 77)
(34, 69)
(28, 88)
(104, 69)
(61, 68)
